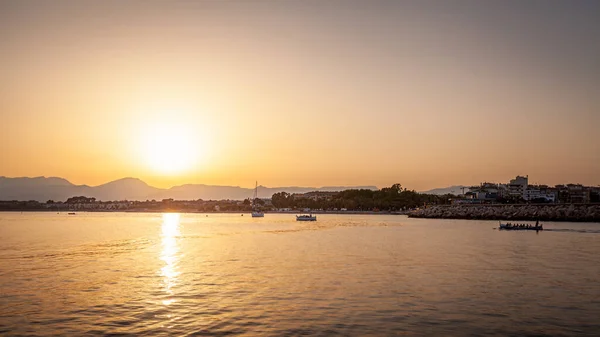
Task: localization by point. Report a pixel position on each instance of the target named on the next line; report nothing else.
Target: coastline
(557, 212)
(202, 212)
(526, 212)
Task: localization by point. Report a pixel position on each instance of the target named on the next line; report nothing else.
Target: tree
(391, 198)
(281, 200)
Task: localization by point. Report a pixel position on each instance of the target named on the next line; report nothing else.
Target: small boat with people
(306, 217)
(521, 226)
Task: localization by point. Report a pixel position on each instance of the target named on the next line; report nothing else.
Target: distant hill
(457, 189)
(125, 189)
(59, 189)
(40, 189)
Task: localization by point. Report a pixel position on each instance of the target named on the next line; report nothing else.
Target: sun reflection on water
(169, 253)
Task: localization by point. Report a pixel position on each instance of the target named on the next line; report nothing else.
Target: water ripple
(344, 275)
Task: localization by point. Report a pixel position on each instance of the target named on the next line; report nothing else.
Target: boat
(256, 212)
(71, 213)
(521, 227)
(306, 217)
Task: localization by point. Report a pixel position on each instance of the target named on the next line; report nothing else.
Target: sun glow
(171, 148)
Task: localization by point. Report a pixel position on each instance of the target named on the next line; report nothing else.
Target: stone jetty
(543, 212)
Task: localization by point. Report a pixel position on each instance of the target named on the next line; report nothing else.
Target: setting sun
(170, 148)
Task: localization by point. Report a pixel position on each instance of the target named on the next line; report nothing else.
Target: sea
(153, 274)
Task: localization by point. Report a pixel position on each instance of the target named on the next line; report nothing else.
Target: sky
(301, 93)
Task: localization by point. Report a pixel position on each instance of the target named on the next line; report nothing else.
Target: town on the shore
(394, 199)
(519, 191)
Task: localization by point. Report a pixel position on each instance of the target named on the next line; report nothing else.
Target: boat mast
(255, 196)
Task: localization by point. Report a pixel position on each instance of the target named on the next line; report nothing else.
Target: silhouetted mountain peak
(129, 181)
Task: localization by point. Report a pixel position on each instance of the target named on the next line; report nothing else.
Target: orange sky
(304, 93)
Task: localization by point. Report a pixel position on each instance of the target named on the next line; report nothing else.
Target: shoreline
(202, 212)
(554, 213)
(543, 212)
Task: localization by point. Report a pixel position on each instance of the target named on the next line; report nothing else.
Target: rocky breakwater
(559, 212)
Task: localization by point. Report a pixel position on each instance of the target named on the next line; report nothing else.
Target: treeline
(394, 198)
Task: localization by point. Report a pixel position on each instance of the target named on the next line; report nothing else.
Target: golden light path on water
(169, 253)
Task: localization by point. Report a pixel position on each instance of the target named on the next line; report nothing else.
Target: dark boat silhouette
(306, 217)
(521, 227)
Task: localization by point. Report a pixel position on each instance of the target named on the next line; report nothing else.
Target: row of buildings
(519, 189)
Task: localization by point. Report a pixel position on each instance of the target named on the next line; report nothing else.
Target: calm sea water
(189, 274)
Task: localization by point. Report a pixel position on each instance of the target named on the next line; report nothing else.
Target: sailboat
(256, 213)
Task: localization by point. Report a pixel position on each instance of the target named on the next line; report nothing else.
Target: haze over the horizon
(301, 93)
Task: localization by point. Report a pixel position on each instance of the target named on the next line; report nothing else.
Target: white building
(517, 187)
(485, 191)
(536, 193)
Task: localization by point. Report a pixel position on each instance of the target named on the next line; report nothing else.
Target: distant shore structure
(256, 212)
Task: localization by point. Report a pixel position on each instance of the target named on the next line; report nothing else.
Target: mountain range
(59, 189)
(456, 189)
